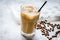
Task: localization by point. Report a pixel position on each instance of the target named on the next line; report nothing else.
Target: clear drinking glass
(29, 18)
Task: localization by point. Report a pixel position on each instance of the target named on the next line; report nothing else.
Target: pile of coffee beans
(50, 27)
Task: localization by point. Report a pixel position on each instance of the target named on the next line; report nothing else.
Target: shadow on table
(27, 38)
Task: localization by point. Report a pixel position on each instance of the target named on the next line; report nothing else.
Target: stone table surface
(10, 28)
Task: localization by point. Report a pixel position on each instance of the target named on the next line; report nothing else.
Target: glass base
(29, 36)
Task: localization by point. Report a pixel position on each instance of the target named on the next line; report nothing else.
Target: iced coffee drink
(29, 17)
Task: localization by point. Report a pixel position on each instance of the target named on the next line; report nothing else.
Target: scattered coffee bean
(39, 26)
(48, 30)
(48, 23)
(58, 27)
(45, 31)
(49, 38)
(52, 29)
(45, 20)
(54, 36)
(57, 33)
(55, 25)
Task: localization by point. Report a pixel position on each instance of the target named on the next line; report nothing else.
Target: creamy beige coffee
(29, 17)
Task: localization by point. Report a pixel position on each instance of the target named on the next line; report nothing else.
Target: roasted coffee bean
(55, 24)
(49, 38)
(48, 30)
(39, 26)
(48, 23)
(45, 20)
(45, 34)
(42, 30)
(57, 32)
(51, 25)
(44, 26)
(58, 27)
(52, 29)
(54, 36)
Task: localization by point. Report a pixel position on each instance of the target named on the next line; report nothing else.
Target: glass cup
(29, 18)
